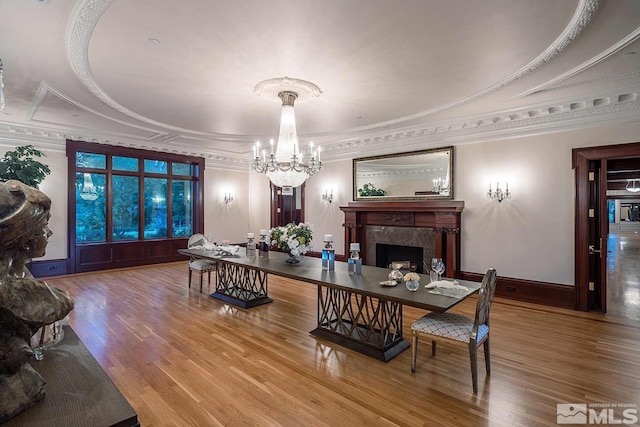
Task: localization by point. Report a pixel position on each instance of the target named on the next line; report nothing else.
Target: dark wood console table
(78, 392)
(353, 311)
(444, 216)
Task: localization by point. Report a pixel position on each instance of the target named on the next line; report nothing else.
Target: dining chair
(458, 328)
(201, 265)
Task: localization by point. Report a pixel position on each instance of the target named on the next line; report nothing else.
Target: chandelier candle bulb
(328, 254)
(354, 263)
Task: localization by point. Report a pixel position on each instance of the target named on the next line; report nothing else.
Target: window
(181, 208)
(125, 207)
(155, 208)
(130, 164)
(126, 194)
(90, 207)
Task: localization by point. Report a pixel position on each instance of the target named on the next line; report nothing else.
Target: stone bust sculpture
(26, 304)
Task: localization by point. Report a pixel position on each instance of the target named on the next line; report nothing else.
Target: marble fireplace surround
(433, 225)
(402, 236)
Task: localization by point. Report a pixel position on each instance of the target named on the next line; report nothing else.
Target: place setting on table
(223, 250)
(437, 285)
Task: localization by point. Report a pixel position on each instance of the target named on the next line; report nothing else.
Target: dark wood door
(598, 231)
(287, 208)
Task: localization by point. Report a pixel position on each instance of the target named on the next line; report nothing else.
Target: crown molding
(550, 85)
(604, 108)
(565, 115)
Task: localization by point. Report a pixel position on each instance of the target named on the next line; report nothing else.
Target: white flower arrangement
(292, 238)
(411, 276)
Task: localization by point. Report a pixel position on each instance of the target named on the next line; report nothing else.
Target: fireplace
(401, 239)
(386, 254)
(433, 226)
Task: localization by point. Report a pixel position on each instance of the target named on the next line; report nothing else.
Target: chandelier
(286, 167)
(631, 186)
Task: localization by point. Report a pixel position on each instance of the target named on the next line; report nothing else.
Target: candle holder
(328, 254)
(263, 244)
(354, 263)
(498, 194)
(251, 245)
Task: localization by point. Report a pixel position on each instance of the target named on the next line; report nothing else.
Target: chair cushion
(202, 264)
(449, 325)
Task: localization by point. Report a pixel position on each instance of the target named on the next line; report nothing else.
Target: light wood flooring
(623, 274)
(182, 358)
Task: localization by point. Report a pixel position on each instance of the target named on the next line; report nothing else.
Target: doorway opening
(287, 207)
(607, 245)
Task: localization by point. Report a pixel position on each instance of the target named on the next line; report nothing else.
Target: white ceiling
(422, 73)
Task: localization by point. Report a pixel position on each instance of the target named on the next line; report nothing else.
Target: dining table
(361, 312)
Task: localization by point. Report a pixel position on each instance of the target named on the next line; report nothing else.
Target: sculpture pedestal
(78, 391)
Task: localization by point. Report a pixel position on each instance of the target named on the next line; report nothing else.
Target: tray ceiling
(180, 76)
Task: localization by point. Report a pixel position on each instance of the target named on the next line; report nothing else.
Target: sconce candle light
(328, 196)
(632, 187)
(440, 186)
(228, 197)
(498, 194)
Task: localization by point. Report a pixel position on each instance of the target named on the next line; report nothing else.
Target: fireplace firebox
(386, 254)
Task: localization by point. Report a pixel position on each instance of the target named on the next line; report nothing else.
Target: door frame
(580, 163)
(276, 200)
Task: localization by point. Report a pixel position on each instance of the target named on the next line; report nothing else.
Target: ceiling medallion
(304, 90)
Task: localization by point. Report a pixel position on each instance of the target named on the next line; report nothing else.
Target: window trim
(73, 147)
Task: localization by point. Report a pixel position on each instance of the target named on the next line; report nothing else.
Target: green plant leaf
(20, 165)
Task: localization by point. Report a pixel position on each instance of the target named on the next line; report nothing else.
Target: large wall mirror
(417, 175)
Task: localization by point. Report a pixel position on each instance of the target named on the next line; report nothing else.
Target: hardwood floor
(623, 274)
(182, 358)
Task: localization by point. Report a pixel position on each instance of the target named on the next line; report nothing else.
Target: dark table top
(78, 392)
(368, 283)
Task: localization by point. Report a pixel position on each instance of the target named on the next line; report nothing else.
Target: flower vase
(293, 259)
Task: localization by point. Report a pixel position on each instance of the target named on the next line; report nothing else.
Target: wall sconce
(328, 196)
(228, 197)
(498, 194)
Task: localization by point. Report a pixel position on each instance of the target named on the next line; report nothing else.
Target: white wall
(530, 236)
(226, 221)
(259, 202)
(54, 186)
(325, 217)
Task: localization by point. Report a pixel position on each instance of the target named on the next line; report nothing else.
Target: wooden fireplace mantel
(444, 216)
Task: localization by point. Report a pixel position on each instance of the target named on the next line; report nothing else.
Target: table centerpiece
(292, 239)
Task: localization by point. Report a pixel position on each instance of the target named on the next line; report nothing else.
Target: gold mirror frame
(404, 176)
